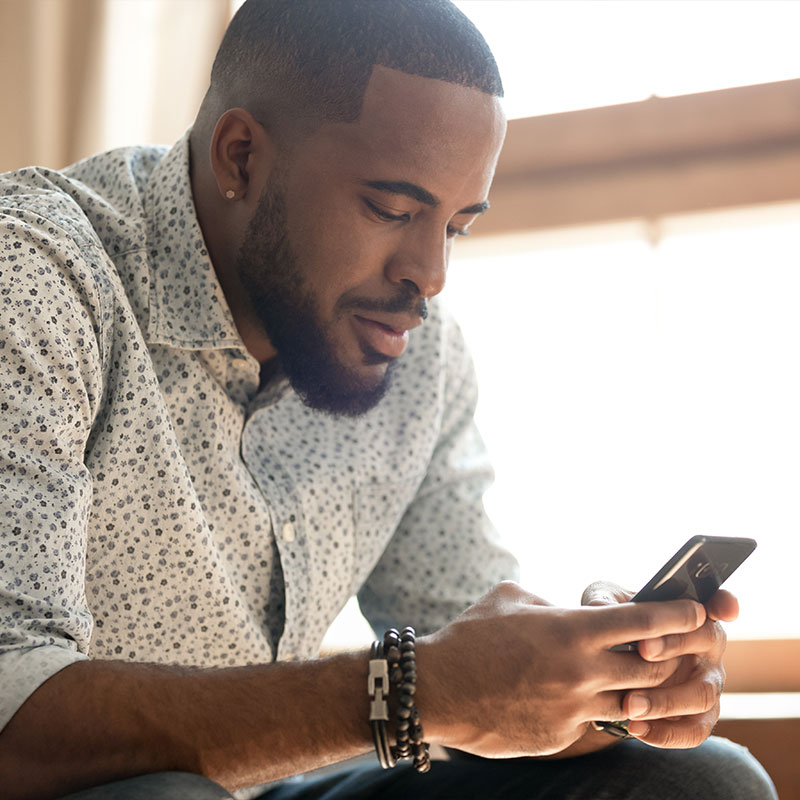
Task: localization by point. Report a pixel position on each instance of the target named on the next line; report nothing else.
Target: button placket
(260, 453)
(288, 532)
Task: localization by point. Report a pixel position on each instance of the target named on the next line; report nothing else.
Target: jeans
(717, 770)
(156, 786)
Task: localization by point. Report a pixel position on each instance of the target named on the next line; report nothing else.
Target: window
(560, 56)
(635, 394)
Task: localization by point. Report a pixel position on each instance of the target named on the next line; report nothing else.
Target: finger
(607, 707)
(627, 622)
(603, 593)
(613, 671)
(681, 733)
(696, 696)
(709, 637)
(723, 606)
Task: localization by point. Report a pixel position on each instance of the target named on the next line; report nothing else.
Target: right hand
(514, 677)
(682, 711)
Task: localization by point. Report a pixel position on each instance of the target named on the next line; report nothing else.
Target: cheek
(337, 247)
(337, 256)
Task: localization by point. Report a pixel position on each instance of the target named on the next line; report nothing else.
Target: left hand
(682, 711)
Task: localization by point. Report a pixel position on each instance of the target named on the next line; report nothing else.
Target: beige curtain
(80, 76)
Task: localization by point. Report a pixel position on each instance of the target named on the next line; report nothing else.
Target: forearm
(98, 721)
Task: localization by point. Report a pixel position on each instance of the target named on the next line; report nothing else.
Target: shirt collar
(187, 306)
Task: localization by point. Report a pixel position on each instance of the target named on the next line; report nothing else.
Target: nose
(421, 262)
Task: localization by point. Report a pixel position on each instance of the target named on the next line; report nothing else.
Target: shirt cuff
(22, 672)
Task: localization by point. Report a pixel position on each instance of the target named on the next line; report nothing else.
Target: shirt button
(288, 532)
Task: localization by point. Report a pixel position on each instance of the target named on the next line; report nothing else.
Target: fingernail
(638, 705)
(701, 614)
(638, 728)
(651, 648)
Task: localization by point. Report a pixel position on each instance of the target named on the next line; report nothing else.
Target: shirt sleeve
(445, 553)
(50, 382)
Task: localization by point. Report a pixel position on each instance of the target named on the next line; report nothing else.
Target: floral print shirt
(155, 505)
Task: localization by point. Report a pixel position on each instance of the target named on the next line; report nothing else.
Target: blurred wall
(80, 76)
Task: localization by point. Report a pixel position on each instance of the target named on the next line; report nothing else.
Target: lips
(388, 340)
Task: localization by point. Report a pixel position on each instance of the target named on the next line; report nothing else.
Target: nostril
(409, 284)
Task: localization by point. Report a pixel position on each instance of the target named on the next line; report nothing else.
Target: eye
(383, 214)
(453, 232)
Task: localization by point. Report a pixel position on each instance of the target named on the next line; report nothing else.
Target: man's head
(340, 148)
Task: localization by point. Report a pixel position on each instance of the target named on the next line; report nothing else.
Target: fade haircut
(311, 60)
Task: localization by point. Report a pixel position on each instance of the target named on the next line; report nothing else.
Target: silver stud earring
(230, 194)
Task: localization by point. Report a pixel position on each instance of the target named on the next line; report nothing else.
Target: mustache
(405, 303)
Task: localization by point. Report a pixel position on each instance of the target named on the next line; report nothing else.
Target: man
(229, 404)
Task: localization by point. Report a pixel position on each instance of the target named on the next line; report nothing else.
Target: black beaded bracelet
(400, 654)
(393, 663)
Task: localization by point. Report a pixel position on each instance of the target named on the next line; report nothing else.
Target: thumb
(723, 606)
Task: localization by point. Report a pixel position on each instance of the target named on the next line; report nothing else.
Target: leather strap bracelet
(378, 690)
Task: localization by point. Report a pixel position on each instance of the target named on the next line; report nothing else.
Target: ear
(242, 155)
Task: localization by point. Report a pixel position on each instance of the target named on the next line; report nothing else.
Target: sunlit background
(562, 55)
(634, 395)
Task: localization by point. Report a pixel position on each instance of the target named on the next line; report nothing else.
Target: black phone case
(710, 561)
(696, 571)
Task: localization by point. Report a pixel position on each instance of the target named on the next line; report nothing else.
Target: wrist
(438, 694)
(429, 691)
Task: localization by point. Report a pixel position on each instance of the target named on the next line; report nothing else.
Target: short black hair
(313, 58)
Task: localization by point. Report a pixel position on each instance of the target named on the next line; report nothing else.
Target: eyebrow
(421, 195)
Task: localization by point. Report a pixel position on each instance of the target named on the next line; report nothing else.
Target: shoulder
(82, 217)
(97, 201)
(36, 198)
(47, 245)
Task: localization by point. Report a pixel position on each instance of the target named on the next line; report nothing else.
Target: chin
(373, 374)
(346, 392)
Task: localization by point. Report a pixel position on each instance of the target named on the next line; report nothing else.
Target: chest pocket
(377, 509)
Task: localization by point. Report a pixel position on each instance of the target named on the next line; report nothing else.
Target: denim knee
(722, 770)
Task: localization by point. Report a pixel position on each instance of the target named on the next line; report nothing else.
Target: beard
(288, 312)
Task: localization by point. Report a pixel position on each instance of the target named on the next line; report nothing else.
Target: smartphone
(696, 571)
